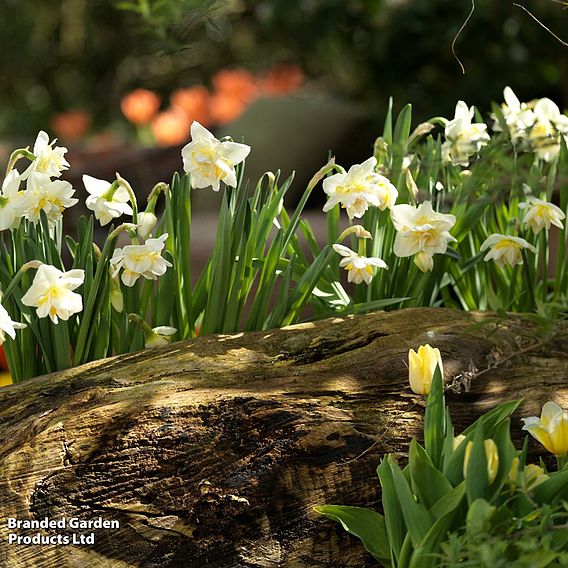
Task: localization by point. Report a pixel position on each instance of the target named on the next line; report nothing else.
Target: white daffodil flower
(12, 202)
(51, 196)
(542, 214)
(549, 126)
(49, 159)
(209, 161)
(359, 268)
(518, 116)
(7, 326)
(140, 260)
(358, 189)
(463, 138)
(160, 335)
(51, 293)
(421, 231)
(505, 249)
(106, 201)
(146, 223)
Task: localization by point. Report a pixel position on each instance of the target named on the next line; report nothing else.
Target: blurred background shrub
(117, 70)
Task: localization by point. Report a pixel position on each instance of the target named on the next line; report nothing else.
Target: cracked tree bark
(213, 452)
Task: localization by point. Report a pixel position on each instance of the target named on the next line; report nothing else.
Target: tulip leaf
(365, 524)
(476, 477)
(428, 483)
(554, 488)
(416, 517)
(448, 502)
(394, 520)
(490, 420)
(434, 419)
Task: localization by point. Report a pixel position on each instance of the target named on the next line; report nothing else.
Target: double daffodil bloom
(422, 366)
(504, 249)
(540, 214)
(49, 159)
(50, 196)
(518, 116)
(51, 293)
(421, 231)
(551, 429)
(491, 455)
(12, 202)
(358, 189)
(359, 268)
(463, 137)
(209, 161)
(7, 326)
(108, 201)
(140, 260)
(546, 132)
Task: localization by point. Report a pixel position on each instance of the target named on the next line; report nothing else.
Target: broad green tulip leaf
(428, 483)
(434, 419)
(448, 502)
(365, 524)
(490, 420)
(416, 517)
(394, 520)
(553, 488)
(476, 478)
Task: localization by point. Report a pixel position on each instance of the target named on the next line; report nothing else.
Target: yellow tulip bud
(458, 440)
(421, 368)
(551, 429)
(491, 455)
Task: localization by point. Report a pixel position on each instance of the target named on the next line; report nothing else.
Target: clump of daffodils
(538, 126)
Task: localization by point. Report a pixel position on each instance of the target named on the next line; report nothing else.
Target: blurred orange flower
(171, 127)
(281, 80)
(194, 101)
(238, 83)
(71, 125)
(225, 108)
(140, 106)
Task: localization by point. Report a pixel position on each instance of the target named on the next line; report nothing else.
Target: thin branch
(458, 35)
(540, 23)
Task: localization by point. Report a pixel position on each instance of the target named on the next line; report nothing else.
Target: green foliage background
(64, 54)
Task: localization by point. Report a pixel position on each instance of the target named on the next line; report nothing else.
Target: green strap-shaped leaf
(434, 419)
(365, 524)
(416, 517)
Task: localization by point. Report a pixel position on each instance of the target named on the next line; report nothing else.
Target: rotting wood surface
(212, 452)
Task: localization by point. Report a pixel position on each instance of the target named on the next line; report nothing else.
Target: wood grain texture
(212, 452)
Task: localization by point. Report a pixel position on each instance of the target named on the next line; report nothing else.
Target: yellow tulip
(491, 455)
(421, 368)
(551, 429)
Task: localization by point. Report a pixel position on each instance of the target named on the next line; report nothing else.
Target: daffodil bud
(551, 429)
(424, 261)
(160, 335)
(116, 296)
(491, 456)
(146, 223)
(422, 366)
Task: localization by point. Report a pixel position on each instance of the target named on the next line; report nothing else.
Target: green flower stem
(154, 194)
(102, 265)
(34, 264)
(16, 155)
(124, 184)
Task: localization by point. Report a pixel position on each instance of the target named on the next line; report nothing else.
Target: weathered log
(212, 452)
